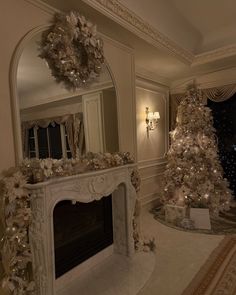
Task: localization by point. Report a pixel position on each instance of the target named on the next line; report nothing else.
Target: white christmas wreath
(72, 50)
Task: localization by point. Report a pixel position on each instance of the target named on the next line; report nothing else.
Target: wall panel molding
(153, 149)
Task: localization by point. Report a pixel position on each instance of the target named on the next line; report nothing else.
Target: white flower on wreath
(46, 166)
(15, 186)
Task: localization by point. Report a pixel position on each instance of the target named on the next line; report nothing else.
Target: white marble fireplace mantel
(85, 188)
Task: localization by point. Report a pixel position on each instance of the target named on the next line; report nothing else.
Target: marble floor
(178, 257)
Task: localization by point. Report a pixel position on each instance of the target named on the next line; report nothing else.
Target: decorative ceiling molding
(117, 12)
(144, 74)
(213, 55)
(132, 22)
(121, 14)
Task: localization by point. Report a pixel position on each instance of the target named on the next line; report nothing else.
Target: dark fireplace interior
(80, 231)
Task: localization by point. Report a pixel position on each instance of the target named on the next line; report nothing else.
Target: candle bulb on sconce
(151, 120)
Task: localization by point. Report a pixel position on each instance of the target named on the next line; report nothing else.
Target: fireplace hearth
(81, 230)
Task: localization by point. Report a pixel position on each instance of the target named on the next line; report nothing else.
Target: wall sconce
(151, 119)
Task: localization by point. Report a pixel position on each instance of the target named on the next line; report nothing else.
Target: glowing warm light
(151, 119)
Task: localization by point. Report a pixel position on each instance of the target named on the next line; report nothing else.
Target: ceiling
(214, 20)
(199, 26)
(172, 39)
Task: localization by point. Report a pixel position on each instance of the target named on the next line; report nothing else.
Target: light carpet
(218, 275)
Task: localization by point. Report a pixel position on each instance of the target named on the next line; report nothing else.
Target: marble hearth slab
(116, 275)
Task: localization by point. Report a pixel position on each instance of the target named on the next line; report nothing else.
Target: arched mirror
(58, 123)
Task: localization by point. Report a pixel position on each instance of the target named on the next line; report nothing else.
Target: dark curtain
(224, 114)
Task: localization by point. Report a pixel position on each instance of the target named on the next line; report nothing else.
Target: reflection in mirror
(59, 123)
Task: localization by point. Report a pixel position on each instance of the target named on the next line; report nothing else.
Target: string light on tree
(225, 124)
(194, 176)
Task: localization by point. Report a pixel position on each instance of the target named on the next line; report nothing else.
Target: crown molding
(215, 54)
(132, 22)
(144, 74)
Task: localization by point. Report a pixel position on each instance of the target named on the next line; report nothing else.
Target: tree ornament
(72, 50)
(194, 175)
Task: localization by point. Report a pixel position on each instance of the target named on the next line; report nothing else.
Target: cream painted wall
(151, 145)
(121, 62)
(19, 17)
(151, 149)
(110, 126)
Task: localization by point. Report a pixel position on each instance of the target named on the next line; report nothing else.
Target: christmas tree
(194, 176)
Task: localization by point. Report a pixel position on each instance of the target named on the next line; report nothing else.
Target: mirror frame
(14, 93)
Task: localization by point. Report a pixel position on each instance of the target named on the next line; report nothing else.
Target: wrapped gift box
(201, 218)
(174, 213)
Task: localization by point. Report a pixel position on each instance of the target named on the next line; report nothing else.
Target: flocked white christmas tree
(194, 176)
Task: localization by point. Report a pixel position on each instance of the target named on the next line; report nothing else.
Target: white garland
(72, 49)
(15, 248)
(38, 170)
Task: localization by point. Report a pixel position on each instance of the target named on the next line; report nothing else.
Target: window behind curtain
(48, 142)
(224, 114)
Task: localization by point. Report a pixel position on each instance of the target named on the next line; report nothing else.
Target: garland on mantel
(16, 213)
(38, 170)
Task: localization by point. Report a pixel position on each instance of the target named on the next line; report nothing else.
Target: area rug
(223, 225)
(218, 275)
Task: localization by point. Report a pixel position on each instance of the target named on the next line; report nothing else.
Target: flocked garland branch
(38, 170)
(72, 49)
(15, 248)
(140, 243)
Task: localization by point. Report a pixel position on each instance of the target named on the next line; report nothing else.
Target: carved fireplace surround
(85, 188)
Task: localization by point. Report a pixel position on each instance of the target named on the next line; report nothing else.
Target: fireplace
(81, 230)
(48, 199)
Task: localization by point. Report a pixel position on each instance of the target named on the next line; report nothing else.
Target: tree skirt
(222, 225)
(218, 275)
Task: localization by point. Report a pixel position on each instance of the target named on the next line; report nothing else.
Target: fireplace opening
(81, 230)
